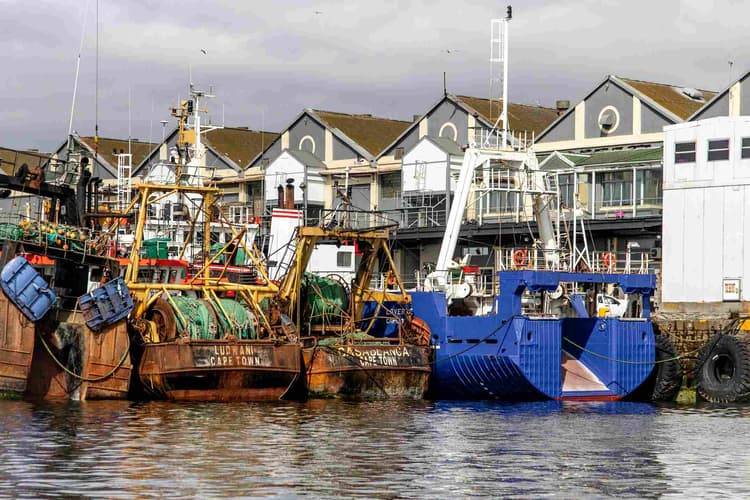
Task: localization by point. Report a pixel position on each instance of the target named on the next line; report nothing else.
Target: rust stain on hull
(104, 352)
(367, 371)
(93, 355)
(16, 347)
(220, 370)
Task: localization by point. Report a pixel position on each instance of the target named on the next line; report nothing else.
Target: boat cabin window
(343, 259)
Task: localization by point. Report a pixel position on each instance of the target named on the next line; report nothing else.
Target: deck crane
(521, 176)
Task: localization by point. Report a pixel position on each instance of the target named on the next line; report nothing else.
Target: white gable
(286, 166)
(425, 168)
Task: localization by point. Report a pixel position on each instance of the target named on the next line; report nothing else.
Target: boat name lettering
(377, 357)
(236, 355)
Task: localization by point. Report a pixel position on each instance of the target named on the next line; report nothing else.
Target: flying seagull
(317, 12)
(204, 51)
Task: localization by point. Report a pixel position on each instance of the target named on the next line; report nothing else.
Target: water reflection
(371, 450)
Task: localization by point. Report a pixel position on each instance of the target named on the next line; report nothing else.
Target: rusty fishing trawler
(347, 351)
(203, 337)
(63, 332)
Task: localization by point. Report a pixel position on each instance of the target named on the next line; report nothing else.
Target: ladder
(124, 186)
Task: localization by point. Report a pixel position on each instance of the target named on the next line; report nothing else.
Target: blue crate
(27, 289)
(106, 305)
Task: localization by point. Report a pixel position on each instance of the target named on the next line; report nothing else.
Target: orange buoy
(608, 259)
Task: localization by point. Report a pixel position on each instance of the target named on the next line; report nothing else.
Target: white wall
(706, 226)
(424, 168)
(324, 260)
(284, 167)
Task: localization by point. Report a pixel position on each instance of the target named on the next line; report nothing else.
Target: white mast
(499, 73)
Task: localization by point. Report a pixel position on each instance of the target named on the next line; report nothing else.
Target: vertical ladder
(124, 186)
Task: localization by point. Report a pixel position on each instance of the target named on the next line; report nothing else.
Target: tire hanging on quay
(723, 369)
(666, 378)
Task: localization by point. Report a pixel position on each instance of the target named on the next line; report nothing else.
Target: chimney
(562, 106)
(280, 195)
(289, 193)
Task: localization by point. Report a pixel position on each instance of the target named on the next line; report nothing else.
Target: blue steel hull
(520, 358)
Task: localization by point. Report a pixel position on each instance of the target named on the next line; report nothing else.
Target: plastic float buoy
(520, 258)
(608, 259)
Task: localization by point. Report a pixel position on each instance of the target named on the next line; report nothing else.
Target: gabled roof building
(320, 147)
(605, 154)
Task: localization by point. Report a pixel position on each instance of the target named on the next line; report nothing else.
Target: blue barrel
(106, 305)
(27, 289)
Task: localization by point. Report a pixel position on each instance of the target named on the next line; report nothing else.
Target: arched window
(449, 131)
(307, 143)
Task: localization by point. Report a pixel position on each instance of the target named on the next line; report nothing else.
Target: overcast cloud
(268, 60)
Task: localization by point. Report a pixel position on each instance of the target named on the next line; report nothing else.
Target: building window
(343, 259)
(746, 147)
(501, 202)
(566, 184)
(649, 187)
(449, 131)
(307, 143)
(684, 152)
(617, 188)
(390, 186)
(718, 149)
(609, 119)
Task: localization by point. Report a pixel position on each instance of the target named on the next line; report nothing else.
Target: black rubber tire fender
(667, 371)
(665, 380)
(723, 369)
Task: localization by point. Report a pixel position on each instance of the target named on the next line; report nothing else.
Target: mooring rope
(627, 362)
(82, 378)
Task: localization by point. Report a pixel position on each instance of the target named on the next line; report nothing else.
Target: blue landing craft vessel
(509, 355)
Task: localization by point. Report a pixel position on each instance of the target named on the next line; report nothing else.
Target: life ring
(608, 259)
(390, 280)
(520, 258)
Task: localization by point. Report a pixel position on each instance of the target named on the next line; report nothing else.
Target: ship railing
(483, 280)
(531, 258)
(353, 218)
(515, 140)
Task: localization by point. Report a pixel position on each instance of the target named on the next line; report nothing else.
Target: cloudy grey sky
(267, 60)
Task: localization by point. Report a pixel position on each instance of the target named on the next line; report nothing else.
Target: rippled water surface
(372, 450)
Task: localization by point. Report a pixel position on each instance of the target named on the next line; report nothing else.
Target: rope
(626, 362)
(79, 377)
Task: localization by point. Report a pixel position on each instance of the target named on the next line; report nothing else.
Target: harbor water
(332, 448)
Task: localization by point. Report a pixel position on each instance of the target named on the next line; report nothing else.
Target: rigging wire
(96, 92)
(78, 66)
